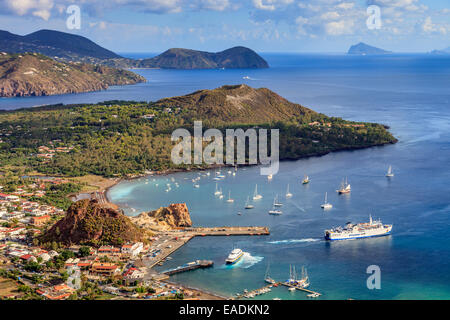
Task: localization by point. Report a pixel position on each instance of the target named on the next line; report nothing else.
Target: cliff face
(38, 75)
(88, 222)
(165, 218)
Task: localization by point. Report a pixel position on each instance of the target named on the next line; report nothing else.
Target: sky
(263, 25)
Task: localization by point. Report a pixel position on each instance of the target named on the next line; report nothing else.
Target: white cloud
(38, 8)
(338, 28)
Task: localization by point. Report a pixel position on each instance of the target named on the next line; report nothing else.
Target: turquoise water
(407, 92)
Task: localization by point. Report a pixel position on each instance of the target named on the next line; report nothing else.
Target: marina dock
(199, 264)
(266, 288)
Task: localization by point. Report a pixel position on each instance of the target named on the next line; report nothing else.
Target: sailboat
(293, 278)
(229, 197)
(267, 277)
(390, 173)
(221, 194)
(345, 187)
(306, 180)
(288, 194)
(276, 203)
(217, 192)
(248, 205)
(326, 205)
(275, 211)
(256, 196)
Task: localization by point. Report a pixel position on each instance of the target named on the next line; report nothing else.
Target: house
(105, 269)
(133, 274)
(28, 258)
(58, 292)
(133, 249)
(39, 221)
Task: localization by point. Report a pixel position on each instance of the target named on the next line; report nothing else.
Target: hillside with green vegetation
(119, 138)
(33, 74)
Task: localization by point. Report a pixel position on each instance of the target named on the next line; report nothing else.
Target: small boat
(326, 205)
(239, 213)
(246, 78)
(390, 173)
(276, 203)
(267, 277)
(291, 289)
(344, 188)
(196, 185)
(248, 205)
(256, 196)
(275, 211)
(229, 197)
(217, 192)
(288, 194)
(269, 177)
(305, 180)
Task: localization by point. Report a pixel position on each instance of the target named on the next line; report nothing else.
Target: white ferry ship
(234, 256)
(361, 230)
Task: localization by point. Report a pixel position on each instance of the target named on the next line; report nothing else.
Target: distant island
(69, 47)
(237, 57)
(363, 49)
(126, 138)
(443, 51)
(33, 74)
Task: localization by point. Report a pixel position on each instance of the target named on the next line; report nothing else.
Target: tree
(84, 251)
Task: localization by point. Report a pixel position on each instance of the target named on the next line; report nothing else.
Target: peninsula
(33, 74)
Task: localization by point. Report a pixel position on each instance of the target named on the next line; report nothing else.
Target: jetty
(199, 264)
(228, 231)
(300, 288)
(266, 288)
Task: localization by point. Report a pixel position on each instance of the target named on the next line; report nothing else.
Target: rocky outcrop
(88, 222)
(165, 218)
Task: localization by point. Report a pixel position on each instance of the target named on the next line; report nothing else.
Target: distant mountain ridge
(54, 43)
(70, 47)
(363, 49)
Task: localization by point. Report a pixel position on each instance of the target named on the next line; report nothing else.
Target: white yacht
(248, 205)
(276, 203)
(288, 194)
(217, 192)
(390, 173)
(326, 205)
(229, 197)
(256, 196)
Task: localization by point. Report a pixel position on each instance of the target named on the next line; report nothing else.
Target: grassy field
(7, 287)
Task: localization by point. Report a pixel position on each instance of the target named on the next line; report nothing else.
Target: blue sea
(409, 93)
